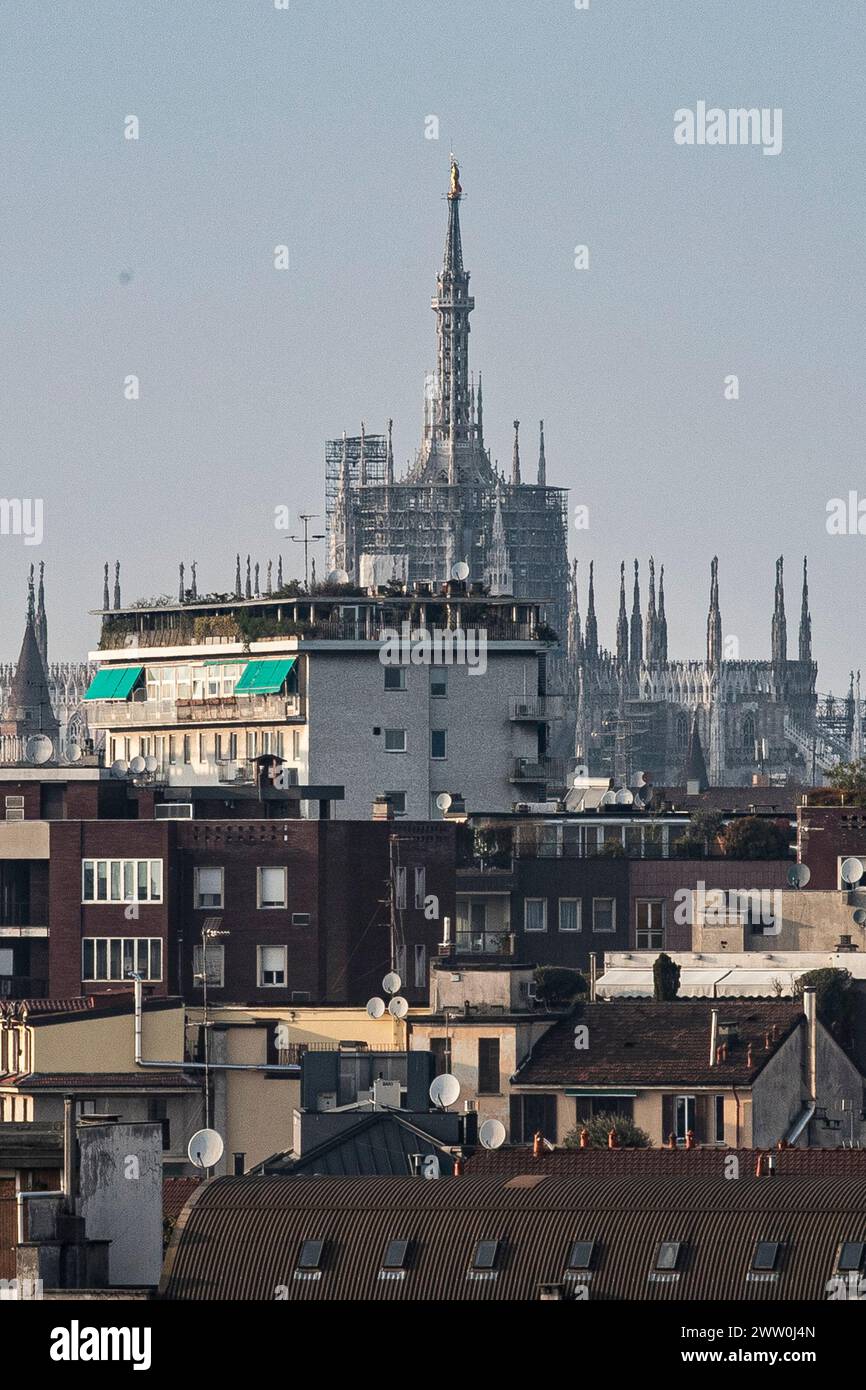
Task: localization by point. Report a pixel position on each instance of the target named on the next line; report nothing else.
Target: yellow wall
(97, 1044)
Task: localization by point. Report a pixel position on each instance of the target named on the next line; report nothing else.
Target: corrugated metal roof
(239, 1237)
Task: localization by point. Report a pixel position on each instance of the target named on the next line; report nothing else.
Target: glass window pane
(155, 880)
(101, 881)
(87, 881)
(115, 956)
(141, 956)
(114, 878)
(155, 972)
(101, 972)
(128, 880)
(128, 956)
(87, 958)
(141, 871)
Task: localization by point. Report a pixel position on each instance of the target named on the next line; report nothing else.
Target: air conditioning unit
(15, 808)
(386, 1092)
(173, 810)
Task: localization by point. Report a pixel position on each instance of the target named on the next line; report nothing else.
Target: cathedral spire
(41, 617)
(651, 644)
(542, 465)
(479, 413)
(362, 459)
(622, 623)
(636, 645)
(238, 590)
(574, 634)
(389, 461)
(591, 628)
(106, 601)
(515, 456)
(662, 621)
(805, 618)
(117, 584)
(714, 619)
(779, 631)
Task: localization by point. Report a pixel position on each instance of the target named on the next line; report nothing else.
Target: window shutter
(702, 1119)
(516, 1116)
(550, 1118)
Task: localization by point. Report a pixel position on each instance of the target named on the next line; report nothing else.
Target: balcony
(537, 770)
(536, 709)
(483, 943)
(229, 709)
(22, 987)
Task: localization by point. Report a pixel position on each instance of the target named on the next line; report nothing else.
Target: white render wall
(346, 700)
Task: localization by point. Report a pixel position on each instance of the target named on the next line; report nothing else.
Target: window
(420, 976)
(719, 1119)
(120, 957)
(441, 1051)
(400, 886)
(300, 919)
(395, 740)
(766, 1254)
(588, 1107)
(649, 923)
(157, 1113)
(531, 1115)
(535, 914)
(604, 914)
(272, 965)
(396, 1254)
(438, 743)
(668, 1254)
(580, 1255)
(395, 677)
(569, 914)
(488, 1066)
(208, 887)
(398, 802)
(121, 880)
(850, 1256)
(485, 1254)
(310, 1255)
(215, 964)
(272, 887)
(420, 887)
(438, 682)
(684, 1117)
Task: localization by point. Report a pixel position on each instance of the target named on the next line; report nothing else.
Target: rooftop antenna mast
(305, 540)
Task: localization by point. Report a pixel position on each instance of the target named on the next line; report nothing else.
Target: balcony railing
(22, 987)
(539, 770)
(230, 709)
(483, 943)
(537, 708)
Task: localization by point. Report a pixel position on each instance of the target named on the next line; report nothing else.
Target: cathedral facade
(720, 722)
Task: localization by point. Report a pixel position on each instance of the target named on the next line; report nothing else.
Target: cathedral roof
(28, 704)
(696, 768)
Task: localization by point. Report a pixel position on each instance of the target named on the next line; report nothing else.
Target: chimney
(70, 1142)
(446, 933)
(382, 808)
(810, 1010)
(612, 1138)
(536, 1144)
(714, 1035)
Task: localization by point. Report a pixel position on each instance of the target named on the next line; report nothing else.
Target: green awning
(264, 677)
(113, 683)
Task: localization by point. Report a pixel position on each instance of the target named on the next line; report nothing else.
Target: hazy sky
(306, 127)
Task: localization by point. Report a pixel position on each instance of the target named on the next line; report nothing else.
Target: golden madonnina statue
(456, 190)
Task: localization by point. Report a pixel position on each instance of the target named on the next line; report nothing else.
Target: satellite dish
(205, 1148)
(860, 916)
(151, 763)
(376, 1007)
(73, 752)
(338, 577)
(799, 875)
(137, 765)
(851, 870)
(444, 1090)
(398, 1007)
(491, 1135)
(38, 749)
(443, 801)
(119, 768)
(391, 982)
(460, 570)
(624, 797)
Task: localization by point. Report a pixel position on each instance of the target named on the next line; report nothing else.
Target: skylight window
(766, 1254)
(580, 1255)
(486, 1252)
(668, 1254)
(311, 1254)
(851, 1256)
(396, 1255)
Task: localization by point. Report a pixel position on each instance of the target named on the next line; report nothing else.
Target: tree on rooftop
(706, 826)
(666, 978)
(835, 1001)
(557, 984)
(752, 837)
(850, 779)
(599, 1127)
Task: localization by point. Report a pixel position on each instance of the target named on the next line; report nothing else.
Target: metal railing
(228, 709)
(536, 707)
(538, 770)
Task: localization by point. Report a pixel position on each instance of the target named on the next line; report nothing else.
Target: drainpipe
(714, 1035)
(69, 1154)
(196, 1066)
(593, 976)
